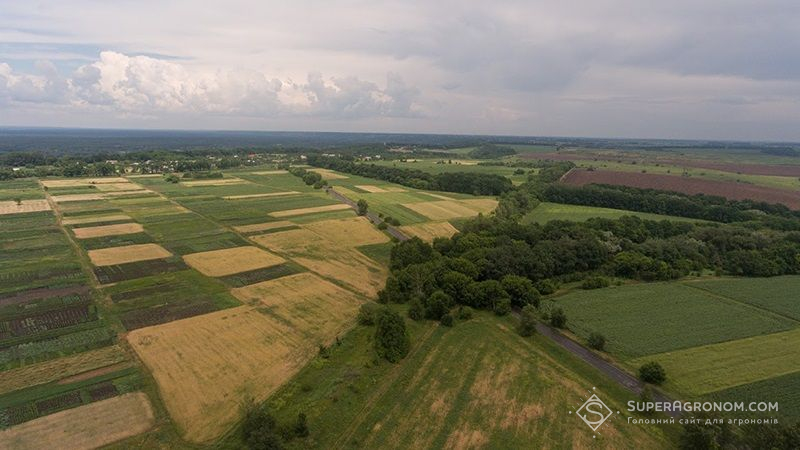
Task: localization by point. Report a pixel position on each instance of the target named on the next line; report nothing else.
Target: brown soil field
(128, 253)
(215, 182)
(77, 197)
(328, 174)
(219, 263)
(350, 232)
(107, 230)
(429, 231)
(11, 207)
(302, 211)
(263, 226)
(92, 219)
(271, 194)
(336, 260)
(271, 172)
(85, 427)
(686, 185)
(205, 366)
(77, 182)
(442, 209)
(55, 369)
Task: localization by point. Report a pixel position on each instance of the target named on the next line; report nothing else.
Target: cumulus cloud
(147, 85)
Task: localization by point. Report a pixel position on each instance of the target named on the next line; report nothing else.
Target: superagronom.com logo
(594, 412)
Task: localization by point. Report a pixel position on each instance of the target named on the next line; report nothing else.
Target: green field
(477, 382)
(546, 212)
(709, 368)
(645, 319)
(776, 294)
(784, 389)
(442, 166)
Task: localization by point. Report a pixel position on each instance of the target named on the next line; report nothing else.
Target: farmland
(772, 294)
(546, 211)
(686, 185)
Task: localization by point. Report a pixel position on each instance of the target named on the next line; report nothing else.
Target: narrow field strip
(312, 210)
(108, 230)
(271, 194)
(127, 254)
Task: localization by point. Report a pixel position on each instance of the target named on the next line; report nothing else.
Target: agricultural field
(546, 212)
(772, 294)
(435, 166)
(687, 185)
(474, 385)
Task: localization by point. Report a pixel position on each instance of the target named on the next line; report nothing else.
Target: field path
(379, 391)
(371, 216)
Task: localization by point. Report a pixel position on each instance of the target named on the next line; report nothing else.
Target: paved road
(370, 215)
(622, 377)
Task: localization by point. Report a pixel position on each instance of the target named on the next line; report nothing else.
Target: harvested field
(219, 182)
(78, 182)
(302, 211)
(377, 189)
(350, 232)
(117, 187)
(219, 263)
(481, 205)
(270, 172)
(686, 185)
(205, 366)
(271, 194)
(138, 192)
(108, 230)
(53, 370)
(429, 231)
(85, 427)
(440, 197)
(94, 219)
(263, 226)
(127, 254)
(77, 198)
(27, 206)
(328, 174)
(442, 210)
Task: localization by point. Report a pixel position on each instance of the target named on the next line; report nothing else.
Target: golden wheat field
(429, 231)
(328, 174)
(349, 232)
(312, 210)
(126, 254)
(219, 263)
(263, 226)
(205, 366)
(85, 427)
(77, 197)
(442, 209)
(26, 206)
(107, 230)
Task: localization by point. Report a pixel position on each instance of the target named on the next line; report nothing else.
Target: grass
(776, 294)
(785, 389)
(705, 369)
(645, 319)
(546, 212)
(476, 382)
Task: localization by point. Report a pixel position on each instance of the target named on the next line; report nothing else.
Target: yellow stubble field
(219, 263)
(206, 366)
(25, 206)
(127, 253)
(429, 231)
(107, 230)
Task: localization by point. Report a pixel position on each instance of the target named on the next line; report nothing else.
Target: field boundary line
(741, 303)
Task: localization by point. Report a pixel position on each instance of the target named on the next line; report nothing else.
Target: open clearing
(126, 254)
(476, 385)
(55, 369)
(219, 263)
(651, 318)
(429, 231)
(108, 230)
(206, 365)
(271, 194)
(328, 174)
(80, 220)
(85, 427)
(450, 209)
(264, 226)
(312, 210)
(709, 368)
(27, 206)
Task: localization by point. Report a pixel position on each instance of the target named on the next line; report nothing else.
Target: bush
(437, 305)
(652, 372)
(502, 307)
(415, 310)
(260, 430)
(597, 341)
(300, 427)
(527, 321)
(558, 318)
(447, 320)
(595, 283)
(546, 287)
(465, 313)
(382, 226)
(394, 222)
(368, 313)
(391, 338)
(362, 207)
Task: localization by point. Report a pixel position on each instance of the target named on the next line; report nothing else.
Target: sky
(684, 69)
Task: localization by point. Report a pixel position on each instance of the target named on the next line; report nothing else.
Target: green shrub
(558, 318)
(502, 307)
(652, 372)
(527, 321)
(597, 341)
(595, 283)
(447, 320)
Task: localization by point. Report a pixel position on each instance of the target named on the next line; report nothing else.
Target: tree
(368, 313)
(521, 290)
(527, 321)
(412, 251)
(416, 311)
(259, 429)
(597, 341)
(558, 318)
(362, 207)
(391, 338)
(502, 306)
(437, 305)
(652, 372)
(301, 426)
(18, 201)
(447, 320)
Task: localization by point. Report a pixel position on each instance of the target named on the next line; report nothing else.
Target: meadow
(546, 212)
